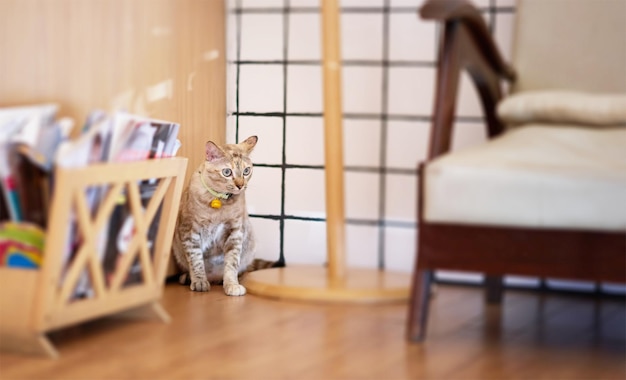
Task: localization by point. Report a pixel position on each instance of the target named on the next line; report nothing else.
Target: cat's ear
(248, 144)
(212, 151)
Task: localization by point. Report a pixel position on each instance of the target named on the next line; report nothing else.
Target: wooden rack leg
(28, 342)
(151, 311)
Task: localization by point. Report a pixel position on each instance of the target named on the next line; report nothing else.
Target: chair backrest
(570, 45)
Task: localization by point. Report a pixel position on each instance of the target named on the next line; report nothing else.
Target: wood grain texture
(159, 58)
(35, 302)
(212, 336)
(312, 283)
(333, 140)
(568, 254)
(466, 45)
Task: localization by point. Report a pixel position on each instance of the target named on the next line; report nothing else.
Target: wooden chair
(546, 195)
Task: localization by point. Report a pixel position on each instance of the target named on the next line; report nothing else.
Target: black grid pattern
(383, 117)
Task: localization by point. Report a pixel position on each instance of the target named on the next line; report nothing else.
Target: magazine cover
(135, 138)
(122, 231)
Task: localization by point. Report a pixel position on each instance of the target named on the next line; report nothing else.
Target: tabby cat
(213, 240)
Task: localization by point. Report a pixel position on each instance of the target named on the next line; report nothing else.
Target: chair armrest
(462, 10)
(466, 44)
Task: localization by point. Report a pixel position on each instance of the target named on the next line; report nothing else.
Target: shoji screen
(275, 91)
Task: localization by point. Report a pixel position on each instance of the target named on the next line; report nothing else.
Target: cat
(213, 240)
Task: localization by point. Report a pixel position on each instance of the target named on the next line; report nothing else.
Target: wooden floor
(213, 336)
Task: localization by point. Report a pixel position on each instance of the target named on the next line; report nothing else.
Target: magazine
(122, 137)
(33, 142)
(27, 136)
(121, 232)
(144, 139)
(31, 176)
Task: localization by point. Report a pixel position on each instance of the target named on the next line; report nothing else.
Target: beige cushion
(533, 176)
(564, 107)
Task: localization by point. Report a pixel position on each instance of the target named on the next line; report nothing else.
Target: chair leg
(418, 305)
(494, 287)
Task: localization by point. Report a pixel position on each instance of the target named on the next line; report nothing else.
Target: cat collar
(215, 203)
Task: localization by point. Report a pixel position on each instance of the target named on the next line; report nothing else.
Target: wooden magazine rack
(34, 302)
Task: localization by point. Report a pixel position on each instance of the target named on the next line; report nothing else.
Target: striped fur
(257, 264)
(217, 244)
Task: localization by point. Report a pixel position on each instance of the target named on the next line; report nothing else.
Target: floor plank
(212, 336)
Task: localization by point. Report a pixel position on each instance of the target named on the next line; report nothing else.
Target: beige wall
(160, 58)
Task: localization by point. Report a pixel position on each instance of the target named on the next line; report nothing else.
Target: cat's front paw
(200, 286)
(234, 290)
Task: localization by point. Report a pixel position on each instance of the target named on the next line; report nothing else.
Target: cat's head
(228, 168)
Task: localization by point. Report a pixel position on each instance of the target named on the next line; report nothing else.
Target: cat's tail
(259, 264)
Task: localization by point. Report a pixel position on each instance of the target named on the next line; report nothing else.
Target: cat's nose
(239, 183)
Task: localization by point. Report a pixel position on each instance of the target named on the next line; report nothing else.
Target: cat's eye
(227, 172)
(246, 171)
